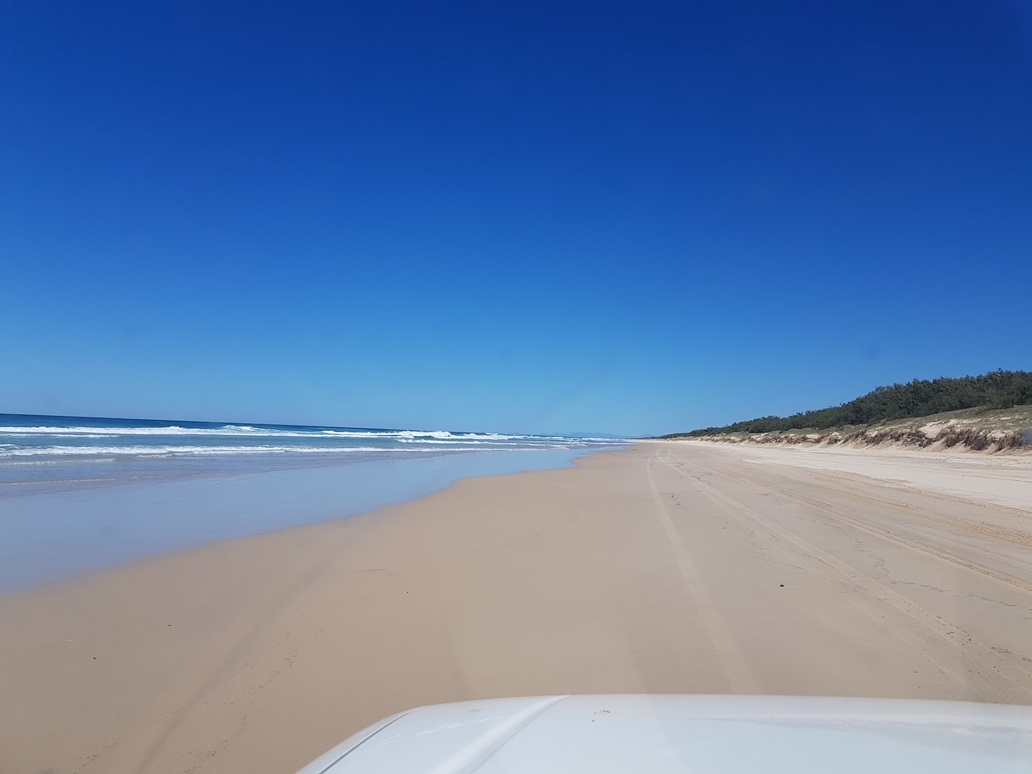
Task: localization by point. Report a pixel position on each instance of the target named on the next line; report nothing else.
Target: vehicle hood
(680, 733)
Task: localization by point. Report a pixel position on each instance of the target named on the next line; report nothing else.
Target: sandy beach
(668, 567)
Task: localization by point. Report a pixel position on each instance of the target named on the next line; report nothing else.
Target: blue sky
(602, 217)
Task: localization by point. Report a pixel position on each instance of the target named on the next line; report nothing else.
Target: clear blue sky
(624, 217)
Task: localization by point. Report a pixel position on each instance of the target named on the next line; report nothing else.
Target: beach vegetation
(968, 412)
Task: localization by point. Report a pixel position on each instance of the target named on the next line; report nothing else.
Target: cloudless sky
(632, 218)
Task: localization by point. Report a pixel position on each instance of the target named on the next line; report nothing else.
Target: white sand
(665, 568)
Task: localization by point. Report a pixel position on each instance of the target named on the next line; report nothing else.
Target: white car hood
(706, 734)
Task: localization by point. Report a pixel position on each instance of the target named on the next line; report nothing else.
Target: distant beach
(78, 494)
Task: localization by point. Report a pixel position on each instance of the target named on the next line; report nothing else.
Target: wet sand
(668, 567)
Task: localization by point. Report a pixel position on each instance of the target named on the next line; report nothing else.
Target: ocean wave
(110, 432)
(89, 441)
(157, 451)
(447, 435)
(77, 436)
(12, 454)
(452, 442)
(88, 431)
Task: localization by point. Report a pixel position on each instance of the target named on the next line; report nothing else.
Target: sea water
(78, 494)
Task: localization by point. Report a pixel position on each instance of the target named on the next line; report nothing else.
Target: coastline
(665, 567)
(50, 531)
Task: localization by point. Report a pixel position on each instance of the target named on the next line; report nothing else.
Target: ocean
(79, 494)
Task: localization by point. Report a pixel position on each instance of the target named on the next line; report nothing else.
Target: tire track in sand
(874, 598)
(730, 656)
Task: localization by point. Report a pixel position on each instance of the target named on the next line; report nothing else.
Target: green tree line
(919, 398)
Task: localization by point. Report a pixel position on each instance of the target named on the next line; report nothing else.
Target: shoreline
(63, 533)
(662, 568)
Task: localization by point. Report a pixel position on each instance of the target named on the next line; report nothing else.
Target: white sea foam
(87, 431)
(131, 451)
(449, 443)
(46, 453)
(53, 443)
(446, 435)
(106, 432)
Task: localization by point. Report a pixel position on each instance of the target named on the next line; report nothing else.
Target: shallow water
(65, 530)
